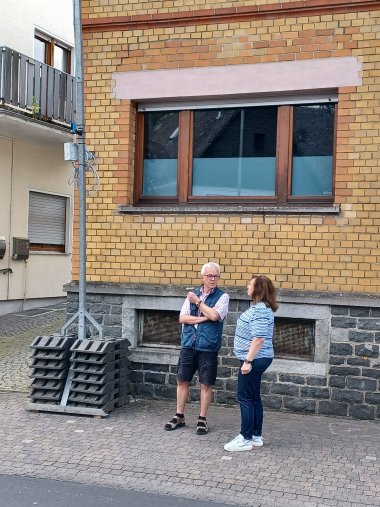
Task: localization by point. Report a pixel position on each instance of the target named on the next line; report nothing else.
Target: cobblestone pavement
(306, 460)
(17, 331)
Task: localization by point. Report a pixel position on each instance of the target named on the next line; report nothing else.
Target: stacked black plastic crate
(50, 362)
(123, 384)
(94, 370)
(79, 376)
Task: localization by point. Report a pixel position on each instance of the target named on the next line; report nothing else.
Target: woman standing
(254, 347)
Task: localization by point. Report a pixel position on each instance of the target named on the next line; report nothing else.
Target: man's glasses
(212, 277)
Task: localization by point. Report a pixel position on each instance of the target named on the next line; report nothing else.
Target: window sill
(47, 252)
(298, 367)
(153, 355)
(223, 208)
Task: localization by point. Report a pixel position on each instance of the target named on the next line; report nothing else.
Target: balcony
(34, 97)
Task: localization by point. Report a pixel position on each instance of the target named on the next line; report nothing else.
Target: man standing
(202, 316)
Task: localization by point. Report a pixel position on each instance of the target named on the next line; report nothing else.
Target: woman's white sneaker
(257, 441)
(239, 443)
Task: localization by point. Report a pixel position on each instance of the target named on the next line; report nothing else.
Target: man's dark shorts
(191, 360)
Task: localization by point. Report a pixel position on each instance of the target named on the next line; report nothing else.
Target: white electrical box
(70, 151)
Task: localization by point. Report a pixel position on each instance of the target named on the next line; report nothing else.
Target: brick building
(245, 133)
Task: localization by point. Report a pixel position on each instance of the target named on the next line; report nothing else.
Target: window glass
(313, 142)
(40, 50)
(52, 52)
(160, 166)
(238, 155)
(234, 152)
(61, 58)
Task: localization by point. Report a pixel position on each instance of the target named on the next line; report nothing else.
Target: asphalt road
(28, 491)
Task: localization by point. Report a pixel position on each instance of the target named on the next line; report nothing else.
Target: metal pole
(79, 72)
(82, 314)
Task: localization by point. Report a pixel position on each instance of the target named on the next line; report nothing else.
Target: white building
(36, 109)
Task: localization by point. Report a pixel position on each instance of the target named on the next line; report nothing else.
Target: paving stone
(17, 332)
(306, 460)
(310, 460)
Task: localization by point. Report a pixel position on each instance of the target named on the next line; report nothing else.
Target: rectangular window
(294, 339)
(312, 165)
(47, 222)
(159, 327)
(40, 50)
(275, 154)
(61, 58)
(52, 52)
(160, 155)
(234, 152)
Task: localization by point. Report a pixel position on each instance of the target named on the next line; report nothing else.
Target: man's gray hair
(210, 265)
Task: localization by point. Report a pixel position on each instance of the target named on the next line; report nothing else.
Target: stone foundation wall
(350, 386)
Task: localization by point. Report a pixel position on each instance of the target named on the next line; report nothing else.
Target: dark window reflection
(160, 154)
(235, 151)
(313, 143)
(313, 130)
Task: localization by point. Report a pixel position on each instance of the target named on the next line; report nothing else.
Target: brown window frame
(282, 195)
(49, 50)
(46, 247)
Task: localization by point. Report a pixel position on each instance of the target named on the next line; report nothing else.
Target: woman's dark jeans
(248, 395)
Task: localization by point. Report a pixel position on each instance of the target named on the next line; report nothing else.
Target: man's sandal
(202, 427)
(176, 422)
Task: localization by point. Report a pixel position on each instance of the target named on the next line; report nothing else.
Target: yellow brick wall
(104, 8)
(310, 252)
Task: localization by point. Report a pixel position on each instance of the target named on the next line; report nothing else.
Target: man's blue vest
(207, 336)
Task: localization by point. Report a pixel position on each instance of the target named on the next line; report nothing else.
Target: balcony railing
(36, 88)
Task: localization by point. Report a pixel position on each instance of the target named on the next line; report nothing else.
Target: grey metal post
(79, 70)
(82, 314)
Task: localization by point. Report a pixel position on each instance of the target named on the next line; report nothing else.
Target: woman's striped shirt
(256, 322)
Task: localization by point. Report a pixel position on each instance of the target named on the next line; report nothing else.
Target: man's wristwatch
(198, 304)
(247, 361)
